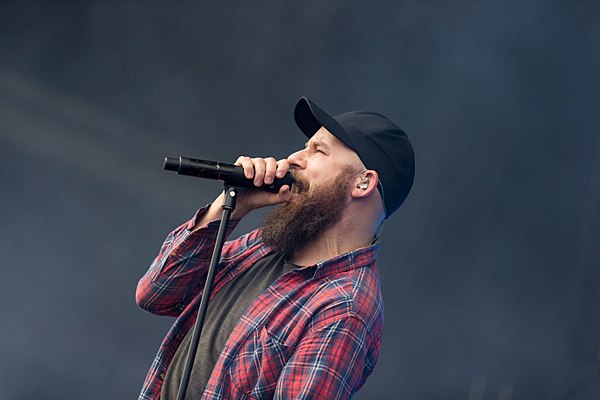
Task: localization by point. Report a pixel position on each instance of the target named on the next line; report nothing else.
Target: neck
(344, 236)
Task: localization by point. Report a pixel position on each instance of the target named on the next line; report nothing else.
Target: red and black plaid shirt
(315, 333)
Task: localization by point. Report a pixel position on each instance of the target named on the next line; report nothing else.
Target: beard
(292, 225)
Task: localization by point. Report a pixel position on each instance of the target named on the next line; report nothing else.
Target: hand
(262, 171)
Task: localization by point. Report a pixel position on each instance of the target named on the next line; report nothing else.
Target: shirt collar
(358, 258)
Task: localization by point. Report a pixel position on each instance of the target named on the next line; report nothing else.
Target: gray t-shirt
(222, 315)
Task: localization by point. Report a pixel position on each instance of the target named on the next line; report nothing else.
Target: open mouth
(299, 186)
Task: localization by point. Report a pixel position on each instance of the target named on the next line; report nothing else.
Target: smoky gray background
(489, 270)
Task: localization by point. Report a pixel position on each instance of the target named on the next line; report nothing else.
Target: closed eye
(316, 146)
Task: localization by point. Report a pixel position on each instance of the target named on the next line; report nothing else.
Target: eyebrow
(316, 142)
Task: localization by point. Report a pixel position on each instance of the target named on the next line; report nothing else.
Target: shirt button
(162, 377)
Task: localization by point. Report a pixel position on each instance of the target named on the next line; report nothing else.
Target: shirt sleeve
(332, 362)
(179, 270)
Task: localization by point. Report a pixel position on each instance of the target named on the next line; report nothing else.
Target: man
(296, 310)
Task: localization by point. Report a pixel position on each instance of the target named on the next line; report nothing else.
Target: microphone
(232, 175)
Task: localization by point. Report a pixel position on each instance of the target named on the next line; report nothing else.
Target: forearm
(179, 269)
(215, 211)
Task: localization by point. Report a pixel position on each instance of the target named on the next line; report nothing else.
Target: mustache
(300, 184)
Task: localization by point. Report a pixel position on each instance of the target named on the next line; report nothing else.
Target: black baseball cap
(379, 143)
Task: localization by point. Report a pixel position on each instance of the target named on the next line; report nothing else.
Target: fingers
(283, 166)
(263, 170)
(260, 171)
(247, 165)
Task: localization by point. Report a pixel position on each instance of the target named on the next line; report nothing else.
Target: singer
(296, 310)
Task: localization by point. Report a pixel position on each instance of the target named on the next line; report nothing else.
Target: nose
(298, 159)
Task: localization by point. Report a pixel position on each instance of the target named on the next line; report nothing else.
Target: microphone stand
(228, 207)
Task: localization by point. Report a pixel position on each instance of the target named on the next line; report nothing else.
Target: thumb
(253, 199)
(270, 199)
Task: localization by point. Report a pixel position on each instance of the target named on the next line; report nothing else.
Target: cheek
(319, 166)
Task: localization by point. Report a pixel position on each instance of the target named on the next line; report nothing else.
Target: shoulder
(354, 293)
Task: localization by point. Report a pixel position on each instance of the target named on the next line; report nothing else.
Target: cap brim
(310, 118)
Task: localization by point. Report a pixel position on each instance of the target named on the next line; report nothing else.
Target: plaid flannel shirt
(315, 333)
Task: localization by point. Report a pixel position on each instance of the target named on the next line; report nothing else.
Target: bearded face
(314, 209)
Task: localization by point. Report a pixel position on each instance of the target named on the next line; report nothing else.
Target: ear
(365, 184)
